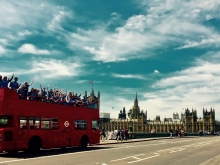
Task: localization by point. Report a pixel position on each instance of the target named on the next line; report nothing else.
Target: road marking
(144, 158)
(125, 158)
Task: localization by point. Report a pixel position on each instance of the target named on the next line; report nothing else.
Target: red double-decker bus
(32, 125)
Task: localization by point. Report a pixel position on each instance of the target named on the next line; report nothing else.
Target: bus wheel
(34, 144)
(84, 142)
(12, 152)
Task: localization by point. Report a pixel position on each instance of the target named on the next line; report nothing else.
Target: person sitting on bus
(0, 81)
(14, 85)
(63, 99)
(21, 93)
(32, 95)
(49, 95)
(25, 88)
(84, 101)
(78, 102)
(5, 81)
(55, 98)
(38, 96)
(68, 99)
(43, 93)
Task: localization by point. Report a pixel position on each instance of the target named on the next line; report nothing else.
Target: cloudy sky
(166, 51)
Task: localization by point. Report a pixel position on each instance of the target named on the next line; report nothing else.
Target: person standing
(103, 135)
(126, 133)
(0, 81)
(171, 133)
(14, 85)
(6, 81)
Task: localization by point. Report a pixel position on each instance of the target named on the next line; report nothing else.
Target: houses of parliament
(137, 121)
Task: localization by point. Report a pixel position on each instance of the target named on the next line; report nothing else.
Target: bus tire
(84, 141)
(34, 144)
(13, 152)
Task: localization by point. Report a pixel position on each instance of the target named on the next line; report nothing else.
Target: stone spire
(136, 101)
(135, 108)
(92, 95)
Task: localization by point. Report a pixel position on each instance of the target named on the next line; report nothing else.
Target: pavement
(105, 142)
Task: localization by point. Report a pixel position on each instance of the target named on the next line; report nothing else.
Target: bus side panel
(67, 136)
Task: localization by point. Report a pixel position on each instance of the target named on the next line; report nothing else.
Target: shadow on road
(49, 152)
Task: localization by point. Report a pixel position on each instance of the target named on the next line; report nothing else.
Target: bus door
(50, 135)
(22, 133)
(65, 138)
(95, 135)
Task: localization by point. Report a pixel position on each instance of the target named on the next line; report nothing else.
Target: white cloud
(195, 87)
(24, 33)
(31, 49)
(2, 50)
(20, 20)
(55, 23)
(129, 76)
(156, 71)
(165, 23)
(55, 69)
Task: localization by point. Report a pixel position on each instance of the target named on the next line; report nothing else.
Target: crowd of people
(121, 134)
(44, 94)
(178, 132)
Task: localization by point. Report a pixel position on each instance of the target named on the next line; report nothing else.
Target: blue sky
(166, 51)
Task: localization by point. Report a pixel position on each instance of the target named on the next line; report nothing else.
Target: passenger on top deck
(32, 95)
(49, 95)
(0, 81)
(14, 85)
(25, 88)
(21, 93)
(43, 93)
(5, 81)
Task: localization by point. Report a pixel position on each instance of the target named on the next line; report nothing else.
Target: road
(190, 151)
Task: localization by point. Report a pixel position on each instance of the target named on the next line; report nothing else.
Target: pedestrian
(122, 134)
(171, 133)
(152, 133)
(180, 133)
(118, 135)
(126, 133)
(103, 135)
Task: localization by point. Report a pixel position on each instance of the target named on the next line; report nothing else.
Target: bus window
(54, 123)
(49, 123)
(81, 124)
(3, 121)
(34, 122)
(95, 125)
(6, 121)
(23, 123)
(45, 123)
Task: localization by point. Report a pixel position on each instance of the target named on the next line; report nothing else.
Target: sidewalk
(105, 142)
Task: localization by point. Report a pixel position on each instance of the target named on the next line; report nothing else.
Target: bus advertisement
(32, 125)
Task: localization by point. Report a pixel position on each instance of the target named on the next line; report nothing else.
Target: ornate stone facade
(189, 121)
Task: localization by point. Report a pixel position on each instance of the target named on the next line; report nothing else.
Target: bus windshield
(3, 121)
(6, 121)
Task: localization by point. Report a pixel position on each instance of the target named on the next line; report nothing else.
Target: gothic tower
(135, 108)
(209, 120)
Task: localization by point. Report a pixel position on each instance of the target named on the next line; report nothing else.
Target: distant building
(137, 121)
(122, 114)
(168, 119)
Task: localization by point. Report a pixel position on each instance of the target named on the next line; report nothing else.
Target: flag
(91, 82)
